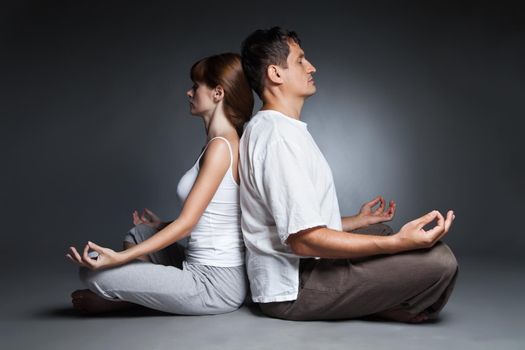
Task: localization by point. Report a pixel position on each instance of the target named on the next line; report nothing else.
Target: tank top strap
(229, 147)
(206, 147)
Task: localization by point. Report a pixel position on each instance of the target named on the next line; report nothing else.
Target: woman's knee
(83, 273)
(96, 281)
(89, 277)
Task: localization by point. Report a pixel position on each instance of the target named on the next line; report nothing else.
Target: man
(304, 261)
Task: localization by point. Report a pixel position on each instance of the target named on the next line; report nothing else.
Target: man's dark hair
(263, 48)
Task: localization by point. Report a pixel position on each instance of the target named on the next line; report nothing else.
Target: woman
(154, 271)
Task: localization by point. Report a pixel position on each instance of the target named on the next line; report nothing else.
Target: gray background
(418, 102)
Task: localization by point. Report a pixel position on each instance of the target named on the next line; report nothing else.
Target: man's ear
(218, 93)
(274, 74)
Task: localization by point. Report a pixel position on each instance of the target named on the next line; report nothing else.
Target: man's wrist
(392, 245)
(361, 221)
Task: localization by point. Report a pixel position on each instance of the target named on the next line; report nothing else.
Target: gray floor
(485, 312)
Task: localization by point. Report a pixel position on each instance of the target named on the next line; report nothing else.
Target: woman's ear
(273, 73)
(218, 93)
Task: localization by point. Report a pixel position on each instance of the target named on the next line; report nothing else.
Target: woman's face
(201, 99)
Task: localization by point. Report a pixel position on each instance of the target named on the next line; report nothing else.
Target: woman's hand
(106, 257)
(147, 217)
(370, 216)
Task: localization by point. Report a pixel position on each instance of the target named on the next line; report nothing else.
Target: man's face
(297, 77)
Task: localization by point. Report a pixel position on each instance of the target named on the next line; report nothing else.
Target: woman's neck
(218, 124)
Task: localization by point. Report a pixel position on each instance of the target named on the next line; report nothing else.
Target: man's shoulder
(263, 121)
(269, 125)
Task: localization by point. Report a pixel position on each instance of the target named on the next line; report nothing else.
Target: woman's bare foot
(87, 302)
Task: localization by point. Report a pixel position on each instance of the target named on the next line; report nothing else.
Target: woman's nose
(189, 93)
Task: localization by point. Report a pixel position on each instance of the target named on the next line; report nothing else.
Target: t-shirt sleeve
(287, 189)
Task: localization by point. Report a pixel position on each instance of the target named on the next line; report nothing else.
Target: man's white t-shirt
(286, 187)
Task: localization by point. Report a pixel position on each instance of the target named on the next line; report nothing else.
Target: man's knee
(386, 230)
(381, 229)
(375, 229)
(443, 259)
(139, 233)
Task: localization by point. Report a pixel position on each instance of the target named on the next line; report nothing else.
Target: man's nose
(311, 68)
(189, 93)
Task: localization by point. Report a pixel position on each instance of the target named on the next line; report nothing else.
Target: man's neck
(289, 108)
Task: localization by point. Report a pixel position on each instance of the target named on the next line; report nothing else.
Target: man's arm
(333, 244)
(351, 223)
(368, 215)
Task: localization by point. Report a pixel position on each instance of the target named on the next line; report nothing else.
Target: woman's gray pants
(169, 283)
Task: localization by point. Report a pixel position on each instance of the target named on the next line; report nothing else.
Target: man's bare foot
(87, 302)
(422, 317)
(403, 316)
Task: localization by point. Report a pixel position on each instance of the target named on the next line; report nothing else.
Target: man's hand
(106, 257)
(369, 216)
(413, 236)
(147, 217)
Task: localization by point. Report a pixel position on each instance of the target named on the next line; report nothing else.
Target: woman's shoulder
(227, 140)
(219, 152)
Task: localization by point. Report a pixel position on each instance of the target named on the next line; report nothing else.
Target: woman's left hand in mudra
(370, 216)
(106, 257)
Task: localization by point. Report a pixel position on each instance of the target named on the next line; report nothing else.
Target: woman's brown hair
(226, 70)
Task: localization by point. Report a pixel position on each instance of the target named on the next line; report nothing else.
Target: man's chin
(311, 92)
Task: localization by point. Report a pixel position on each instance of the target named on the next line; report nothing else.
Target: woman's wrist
(125, 256)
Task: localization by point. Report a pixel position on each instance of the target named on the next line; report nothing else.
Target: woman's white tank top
(216, 240)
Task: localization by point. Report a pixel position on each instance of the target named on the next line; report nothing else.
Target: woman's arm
(216, 162)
